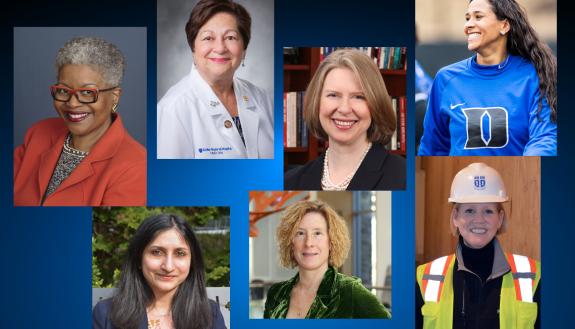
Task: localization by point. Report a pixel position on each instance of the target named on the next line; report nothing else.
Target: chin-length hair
(339, 242)
(522, 40)
(190, 305)
(383, 119)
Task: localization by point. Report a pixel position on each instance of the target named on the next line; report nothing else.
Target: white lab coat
(194, 124)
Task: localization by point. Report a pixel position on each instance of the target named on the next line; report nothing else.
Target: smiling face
(218, 48)
(166, 262)
(477, 223)
(85, 120)
(343, 110)
(311, 242)
(485, 33)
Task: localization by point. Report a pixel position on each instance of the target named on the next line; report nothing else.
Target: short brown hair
(206, 9)
(383, 121)
(337, 232)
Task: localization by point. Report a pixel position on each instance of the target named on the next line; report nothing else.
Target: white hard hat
(478, 183)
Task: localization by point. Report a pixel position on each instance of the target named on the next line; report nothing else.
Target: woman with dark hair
(210, 113)
(501, 101)
(162, 285)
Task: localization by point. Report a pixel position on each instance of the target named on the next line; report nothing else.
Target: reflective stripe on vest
(515, 311)
(523, 270)
(433, 278)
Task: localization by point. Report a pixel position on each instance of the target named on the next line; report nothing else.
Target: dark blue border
(46, 252)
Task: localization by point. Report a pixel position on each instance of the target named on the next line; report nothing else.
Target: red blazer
(113, 173)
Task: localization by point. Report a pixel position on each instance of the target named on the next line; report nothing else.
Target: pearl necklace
(328, 185)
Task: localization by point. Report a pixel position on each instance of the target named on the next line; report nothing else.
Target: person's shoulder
(280, 290)
(393, 168)
(523, 67)
(129, 148)
(441, 259)
(218, 320)
(102, 309)
(396, 165)
(348, 281)
(275, 288)
(133, 147)
(521, 62)
(452, 70)
(518, 257)
(351, 286)
(260, 96)
(251, 87)
(177, 94)
(395, 161)
(50, 126)
(103, 305)
(293, 177)
(363, 303)
(44, 132)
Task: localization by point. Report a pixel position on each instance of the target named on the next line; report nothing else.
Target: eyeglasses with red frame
(84, 95)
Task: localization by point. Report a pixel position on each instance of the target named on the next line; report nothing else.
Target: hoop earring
(114, 107)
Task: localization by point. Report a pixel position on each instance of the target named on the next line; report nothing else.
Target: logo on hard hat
(479, 182)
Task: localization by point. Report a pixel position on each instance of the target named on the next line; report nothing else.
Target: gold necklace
(154, 324)
(157, 323)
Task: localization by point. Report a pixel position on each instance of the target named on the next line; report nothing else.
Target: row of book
(398, 139)
(296, 133)
(386, 58)
(295, 128)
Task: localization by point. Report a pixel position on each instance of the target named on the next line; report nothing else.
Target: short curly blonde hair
(337, 232)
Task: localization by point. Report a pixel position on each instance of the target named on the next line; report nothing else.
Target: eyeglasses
(84, 95)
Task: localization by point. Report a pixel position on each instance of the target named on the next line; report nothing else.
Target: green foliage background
(113, 228)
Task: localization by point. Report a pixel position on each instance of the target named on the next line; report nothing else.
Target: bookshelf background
(300, 64)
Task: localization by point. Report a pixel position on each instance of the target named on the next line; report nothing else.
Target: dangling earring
(243, 62)
(114, 106)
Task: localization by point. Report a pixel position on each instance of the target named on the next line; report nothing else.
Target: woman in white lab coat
(210, 114)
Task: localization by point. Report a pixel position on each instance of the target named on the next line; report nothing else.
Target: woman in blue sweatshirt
(501, 101)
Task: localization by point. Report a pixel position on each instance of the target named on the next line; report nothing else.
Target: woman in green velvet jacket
(313, 237)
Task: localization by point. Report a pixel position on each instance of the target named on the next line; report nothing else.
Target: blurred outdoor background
(440, 40)
(113, 227)
(439, 28)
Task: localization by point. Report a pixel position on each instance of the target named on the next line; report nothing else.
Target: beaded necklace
(326, 182)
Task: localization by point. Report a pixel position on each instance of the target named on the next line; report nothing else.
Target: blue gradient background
(45, 267)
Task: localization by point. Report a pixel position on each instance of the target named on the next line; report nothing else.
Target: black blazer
(379, 171)
(101, 316)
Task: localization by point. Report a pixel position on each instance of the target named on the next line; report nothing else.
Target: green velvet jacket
(338, 297)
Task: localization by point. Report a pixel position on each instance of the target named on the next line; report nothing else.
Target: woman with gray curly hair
(86, 156)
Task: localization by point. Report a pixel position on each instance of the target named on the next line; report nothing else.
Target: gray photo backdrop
(175, 56)
(35, 50)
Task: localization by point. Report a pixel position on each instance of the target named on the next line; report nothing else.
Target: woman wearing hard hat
(480, 286)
